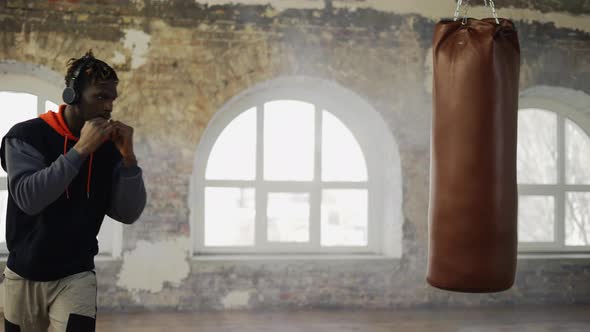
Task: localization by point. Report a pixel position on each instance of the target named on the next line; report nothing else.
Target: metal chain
(492, 5)
(494, 13)
(458, 9)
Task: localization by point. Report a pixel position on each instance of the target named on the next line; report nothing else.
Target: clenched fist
(122, 136)
(93, 134)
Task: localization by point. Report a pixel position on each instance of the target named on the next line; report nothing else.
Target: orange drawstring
(66, 150)
(58, 123)
(89, 176)
(89, 171)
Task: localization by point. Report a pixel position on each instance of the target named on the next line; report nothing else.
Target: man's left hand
(122, 136)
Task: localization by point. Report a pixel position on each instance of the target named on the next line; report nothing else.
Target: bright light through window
(3, 203)
(547, 190)
(339, 147)
(50, 106)
(288, 217)
(289, 141)
(344, 217)
(17, 107)
(289, 148)
(229, 215)
(234, 154)
(537, 147)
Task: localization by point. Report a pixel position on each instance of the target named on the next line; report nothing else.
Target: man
(66, 170)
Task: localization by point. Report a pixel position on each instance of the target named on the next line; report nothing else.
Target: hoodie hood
(57, 121)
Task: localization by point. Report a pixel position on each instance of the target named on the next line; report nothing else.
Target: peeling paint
(434, 10)
(118, 58)
(139, 4)
(138, 42)
(278, 5)
(237, 299)
(151, 265)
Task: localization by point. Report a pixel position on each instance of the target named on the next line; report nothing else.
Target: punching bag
(473, 191)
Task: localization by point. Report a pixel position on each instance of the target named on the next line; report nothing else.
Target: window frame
(46, 85)
(324, 96)
(565, 104)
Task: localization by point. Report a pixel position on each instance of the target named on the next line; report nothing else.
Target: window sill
(549, 255)
(97, 258)
(289, 257)
(106, 258)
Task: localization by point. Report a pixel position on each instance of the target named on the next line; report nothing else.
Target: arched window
(25, 92)
(553, 172)
(296, 166)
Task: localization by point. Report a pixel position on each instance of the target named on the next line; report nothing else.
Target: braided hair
(95, 70)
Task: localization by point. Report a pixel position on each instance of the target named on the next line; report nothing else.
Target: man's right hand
(93, 134)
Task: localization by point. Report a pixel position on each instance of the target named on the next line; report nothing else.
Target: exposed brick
(199, 57)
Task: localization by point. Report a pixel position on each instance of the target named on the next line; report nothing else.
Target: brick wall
(179, 62)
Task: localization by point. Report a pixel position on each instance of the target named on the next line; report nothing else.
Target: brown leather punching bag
(473, 190)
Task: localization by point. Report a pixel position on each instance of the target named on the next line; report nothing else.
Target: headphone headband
(85, 61)
(70, 94)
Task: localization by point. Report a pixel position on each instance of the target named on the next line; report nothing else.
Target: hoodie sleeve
(128, 197)
(34, 185)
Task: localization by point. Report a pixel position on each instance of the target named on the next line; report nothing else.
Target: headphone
(70, 95)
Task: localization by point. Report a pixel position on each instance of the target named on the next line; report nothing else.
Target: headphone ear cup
(69, 96)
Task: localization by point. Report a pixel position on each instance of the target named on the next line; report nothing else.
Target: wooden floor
(518, 319)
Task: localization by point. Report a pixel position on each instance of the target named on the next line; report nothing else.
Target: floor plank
(517, 319)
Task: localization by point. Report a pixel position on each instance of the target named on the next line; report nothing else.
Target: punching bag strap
(492, 5)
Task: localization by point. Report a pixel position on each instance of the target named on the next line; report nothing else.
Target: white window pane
(106, 235)
(536, 218)
(342, 157)
(577, 219)
(229, 216)
(233, 157)
(16, 107)
(288, 217)
(51, 106)
(537, 147)
(289, 140)
(344, 217)
(3, 203)
(577, 145)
